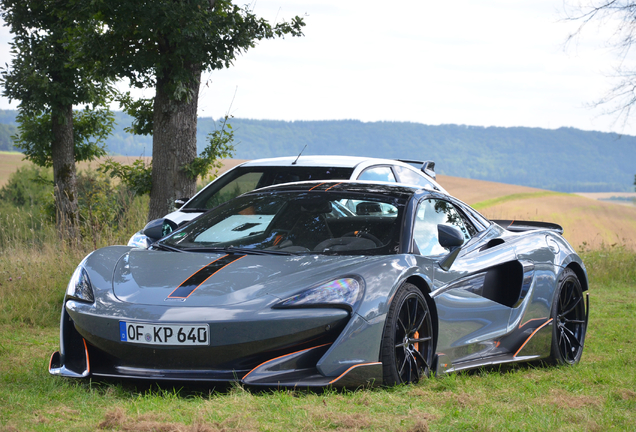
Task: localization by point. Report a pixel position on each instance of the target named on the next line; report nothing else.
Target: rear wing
(427, 167)
(520, 226)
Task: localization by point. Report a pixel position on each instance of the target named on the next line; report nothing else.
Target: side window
(378, 173)
(478, 219)
(245, 183)
(409, 176)
(430, 213)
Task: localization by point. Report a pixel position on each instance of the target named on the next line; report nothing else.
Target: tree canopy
(146, 42)
(48, 83)
(165, 45)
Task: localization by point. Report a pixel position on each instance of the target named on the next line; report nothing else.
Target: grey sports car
(326, 283)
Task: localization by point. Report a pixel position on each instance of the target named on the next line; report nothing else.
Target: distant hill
(564, 159)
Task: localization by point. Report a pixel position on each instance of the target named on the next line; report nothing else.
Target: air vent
(492, 243)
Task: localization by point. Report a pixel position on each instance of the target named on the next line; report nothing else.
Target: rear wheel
(569, 320)
(407, 343)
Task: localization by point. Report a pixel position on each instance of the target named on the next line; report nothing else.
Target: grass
(598, 394)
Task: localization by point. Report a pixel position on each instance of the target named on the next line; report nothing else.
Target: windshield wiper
(193, 210)
(257, 251)
(162, 246)
(238, 250)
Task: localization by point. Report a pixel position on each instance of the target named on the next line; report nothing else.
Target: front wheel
(569, 320)
(408, 339)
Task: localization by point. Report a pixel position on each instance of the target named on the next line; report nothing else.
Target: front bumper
(250, 345)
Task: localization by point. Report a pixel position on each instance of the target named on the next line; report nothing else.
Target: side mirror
(180, 202)
(159, 228)
(450, 238)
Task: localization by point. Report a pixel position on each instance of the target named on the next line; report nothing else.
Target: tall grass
(610, 265)
(24, 226)
(35, 264)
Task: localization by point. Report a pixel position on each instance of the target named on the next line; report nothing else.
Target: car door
(470, 296)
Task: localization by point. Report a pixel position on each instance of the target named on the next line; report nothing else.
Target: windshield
(246, 179)
(297, 222)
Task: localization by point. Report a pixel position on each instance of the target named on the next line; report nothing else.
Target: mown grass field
(596, 395)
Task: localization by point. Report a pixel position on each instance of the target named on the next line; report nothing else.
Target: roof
(316, 160)
(397, 190)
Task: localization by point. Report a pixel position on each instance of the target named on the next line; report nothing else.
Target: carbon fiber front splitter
(297, 369)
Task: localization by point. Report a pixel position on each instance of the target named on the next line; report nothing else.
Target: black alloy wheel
(570, 320)
(408, 340)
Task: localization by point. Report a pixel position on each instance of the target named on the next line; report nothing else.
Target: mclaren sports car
(317, 284)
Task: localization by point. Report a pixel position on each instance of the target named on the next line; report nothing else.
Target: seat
(309, 230)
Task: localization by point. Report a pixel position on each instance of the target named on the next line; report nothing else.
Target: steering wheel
(365, 235)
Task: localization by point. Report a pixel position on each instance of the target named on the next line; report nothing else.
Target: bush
(105, 208)
(109, 213)
(35, 265)
(29, 186)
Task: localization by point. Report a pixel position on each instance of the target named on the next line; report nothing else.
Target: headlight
(139, 240)
(344, 292)
(79, 287)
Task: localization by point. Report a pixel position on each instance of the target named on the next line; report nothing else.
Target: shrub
(109, 213)
(29, 186)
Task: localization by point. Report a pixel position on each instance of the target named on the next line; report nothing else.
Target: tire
(408, 340)
(569, 320)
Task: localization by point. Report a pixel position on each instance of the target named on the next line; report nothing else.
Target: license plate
(164, 334)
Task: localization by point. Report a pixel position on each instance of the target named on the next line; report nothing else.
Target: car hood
(217, 279)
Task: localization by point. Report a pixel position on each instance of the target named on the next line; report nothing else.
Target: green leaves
(43, 74)
(91, 127)
(219, 147)
(165, 39)
(141, 110)
(137, 177)
(47, 81)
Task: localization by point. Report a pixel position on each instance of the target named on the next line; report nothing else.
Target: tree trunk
(63, 156)
(174, 143)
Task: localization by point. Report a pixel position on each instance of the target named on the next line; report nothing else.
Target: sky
(487, 63)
